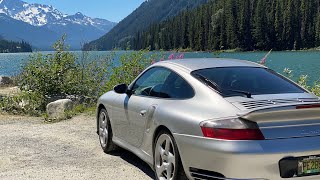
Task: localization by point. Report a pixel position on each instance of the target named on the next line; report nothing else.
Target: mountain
(78, 27)
(149, 12)
(18, 30)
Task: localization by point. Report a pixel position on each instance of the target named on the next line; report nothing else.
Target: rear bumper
(243, 159)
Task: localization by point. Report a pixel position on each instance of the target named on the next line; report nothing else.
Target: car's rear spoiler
(283, 115)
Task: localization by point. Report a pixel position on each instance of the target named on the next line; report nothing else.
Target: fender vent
(199, 174)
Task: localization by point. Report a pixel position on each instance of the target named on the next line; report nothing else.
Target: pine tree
(231, 24)
(278, 25)
(259, 25)
(245, 25)
(191, 33)
(304, 22)
(318, 30)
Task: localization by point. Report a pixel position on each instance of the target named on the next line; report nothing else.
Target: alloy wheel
(165, 162)
(103, 129)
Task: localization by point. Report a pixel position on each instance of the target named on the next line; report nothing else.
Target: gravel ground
(31, 149)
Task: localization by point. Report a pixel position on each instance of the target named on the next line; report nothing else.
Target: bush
(24, 103)
(316, 88)
(303, 81)
(131, 65)
(61, 74)
(57, 75)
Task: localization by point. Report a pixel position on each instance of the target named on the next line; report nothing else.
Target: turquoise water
(301, 62)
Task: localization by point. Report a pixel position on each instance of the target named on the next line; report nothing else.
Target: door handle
(143, 113)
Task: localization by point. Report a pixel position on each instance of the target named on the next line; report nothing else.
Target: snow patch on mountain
(40, 15)
(42, 24)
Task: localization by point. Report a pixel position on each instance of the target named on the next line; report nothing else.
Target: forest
(239, 25)
(14, 47)
(151, 11)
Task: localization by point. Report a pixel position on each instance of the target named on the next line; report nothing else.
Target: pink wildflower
(171, 57)
(181, 56)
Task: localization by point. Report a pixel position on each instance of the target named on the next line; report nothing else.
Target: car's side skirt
(138, 152)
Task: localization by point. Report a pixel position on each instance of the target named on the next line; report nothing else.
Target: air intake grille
(199, 174)
(266, 103)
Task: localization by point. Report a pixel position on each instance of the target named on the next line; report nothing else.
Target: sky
(112, 10)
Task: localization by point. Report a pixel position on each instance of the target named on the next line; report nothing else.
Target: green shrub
(303, 81)
(316, 88)
(24, 103)
(62, 73)
(58, 74)
(131, 65)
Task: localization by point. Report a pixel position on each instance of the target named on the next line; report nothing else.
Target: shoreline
(239, 51)
(177, 51)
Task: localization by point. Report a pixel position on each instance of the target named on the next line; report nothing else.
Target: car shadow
(134, 160)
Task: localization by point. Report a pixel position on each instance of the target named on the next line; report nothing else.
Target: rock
(86, 100)
(54, 98)
(81, 99)
(57, 109)
(4, 80)
(73, 98)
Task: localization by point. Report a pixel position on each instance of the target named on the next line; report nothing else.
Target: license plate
(309, 166)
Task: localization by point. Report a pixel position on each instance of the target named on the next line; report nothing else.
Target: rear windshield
(235, 81)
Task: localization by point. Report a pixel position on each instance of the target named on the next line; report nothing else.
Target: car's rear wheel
(105, 132)
(167, 162)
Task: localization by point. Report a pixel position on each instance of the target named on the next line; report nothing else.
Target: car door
(143, 102)
(120, 117)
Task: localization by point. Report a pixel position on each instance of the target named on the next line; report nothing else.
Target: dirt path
(31, 149)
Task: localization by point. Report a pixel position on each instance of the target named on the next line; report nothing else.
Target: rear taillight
(308, 106)
(233, 134)
(231, 129)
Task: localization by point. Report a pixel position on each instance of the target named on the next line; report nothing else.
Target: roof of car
(203, 63)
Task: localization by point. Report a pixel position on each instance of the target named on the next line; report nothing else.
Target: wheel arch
(101, 106)
(158, 130)
(156, 133)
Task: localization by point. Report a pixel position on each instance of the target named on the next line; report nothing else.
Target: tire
(105, 132)
(167, 158)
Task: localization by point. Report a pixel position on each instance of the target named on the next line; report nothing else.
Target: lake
(301, 62)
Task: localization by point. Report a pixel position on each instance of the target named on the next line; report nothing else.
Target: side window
(176, 87)
(151, 82)
(162, 83)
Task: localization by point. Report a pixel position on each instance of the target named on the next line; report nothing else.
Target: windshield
(235, 81)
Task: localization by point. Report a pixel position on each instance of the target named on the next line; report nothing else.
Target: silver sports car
(214, 119)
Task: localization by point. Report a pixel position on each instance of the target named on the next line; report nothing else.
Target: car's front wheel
(105, 132)
(167, 162)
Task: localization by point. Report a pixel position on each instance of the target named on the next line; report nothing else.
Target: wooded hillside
(13, 47)
(150, 12)
(238, 24)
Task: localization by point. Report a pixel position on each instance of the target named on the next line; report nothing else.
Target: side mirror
(121, 88)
